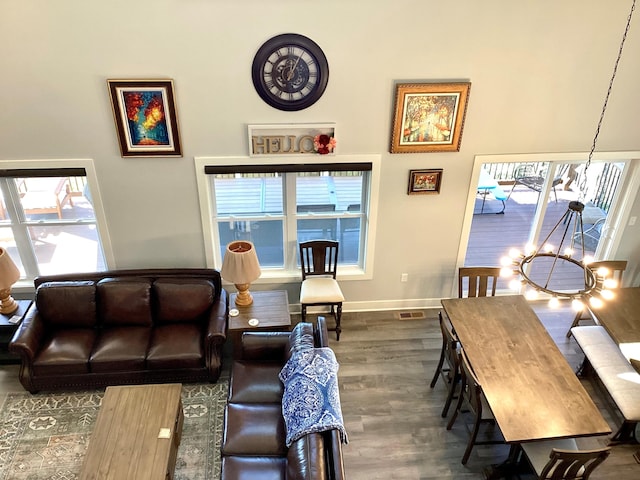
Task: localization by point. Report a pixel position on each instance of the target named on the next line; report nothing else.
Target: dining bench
(621, 380)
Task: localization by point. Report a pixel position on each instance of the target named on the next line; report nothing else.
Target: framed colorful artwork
(424, 182)
(429, 117)
(145, 116)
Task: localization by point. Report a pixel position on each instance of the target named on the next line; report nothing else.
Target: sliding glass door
(528, 202)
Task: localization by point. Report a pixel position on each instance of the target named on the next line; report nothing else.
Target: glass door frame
(617, 217)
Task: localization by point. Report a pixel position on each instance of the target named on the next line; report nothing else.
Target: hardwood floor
(393, 417)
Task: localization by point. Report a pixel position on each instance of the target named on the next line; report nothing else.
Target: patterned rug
(46, 436)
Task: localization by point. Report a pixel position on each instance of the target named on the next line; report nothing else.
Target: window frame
(618, 215)
(288, 274)
(23, 168)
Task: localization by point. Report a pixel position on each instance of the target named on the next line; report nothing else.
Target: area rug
(46, 436)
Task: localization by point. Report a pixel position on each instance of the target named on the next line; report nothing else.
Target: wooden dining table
(620, 317)
(532, 390)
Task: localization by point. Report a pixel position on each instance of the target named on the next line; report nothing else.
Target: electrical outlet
(404, 277)
(632, 221)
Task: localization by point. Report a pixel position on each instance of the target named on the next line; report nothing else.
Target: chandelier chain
(593, 290)
(613, 76)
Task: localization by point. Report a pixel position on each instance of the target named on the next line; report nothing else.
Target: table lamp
(9, 274)
(240, 266)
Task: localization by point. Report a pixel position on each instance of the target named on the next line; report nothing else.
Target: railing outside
(602, 188)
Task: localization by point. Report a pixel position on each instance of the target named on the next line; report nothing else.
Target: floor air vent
(415, 315)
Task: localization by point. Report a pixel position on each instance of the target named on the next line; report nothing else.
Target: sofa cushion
(67, 304)
(65, 352)
(253, 468)
(182, 300)
(176, 346)
(253, 382)
(124, 301)
(306, 458)
(254, 429)
(120, 349)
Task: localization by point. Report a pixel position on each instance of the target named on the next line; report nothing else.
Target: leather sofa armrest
(217, 328)
(321, 333)
(28, 339)
(216, 335)
(264, 346)
(334, 448)
(306, 458)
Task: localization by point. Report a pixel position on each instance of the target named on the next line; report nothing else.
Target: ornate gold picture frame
(429, 117)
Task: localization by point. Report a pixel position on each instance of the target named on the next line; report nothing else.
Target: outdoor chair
(528, 175)
(477, 281)
(46, 195)
(561, 459)
(319, 261)
(471, 394)
(449, 364)
(609, 269)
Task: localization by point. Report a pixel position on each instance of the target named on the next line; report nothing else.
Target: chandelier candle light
(240, 267)
(597, 286)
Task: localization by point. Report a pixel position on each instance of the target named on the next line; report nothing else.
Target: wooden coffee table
(137, 434)
(270, 308)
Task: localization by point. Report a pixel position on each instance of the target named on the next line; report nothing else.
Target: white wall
(539, 72)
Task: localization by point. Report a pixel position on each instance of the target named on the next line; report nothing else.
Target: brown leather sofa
(122, 327)
(254, 441)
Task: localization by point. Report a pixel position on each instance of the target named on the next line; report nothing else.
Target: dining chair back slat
(573, 464)
(614, 270)
(471, 394)
(449, 364)
(477, 281)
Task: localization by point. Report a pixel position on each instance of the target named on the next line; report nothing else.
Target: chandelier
(596, 287)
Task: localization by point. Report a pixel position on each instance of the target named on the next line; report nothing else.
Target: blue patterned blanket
(311, 400)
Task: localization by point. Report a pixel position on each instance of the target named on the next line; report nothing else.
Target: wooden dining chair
(561, 459)
(449, 364)
(471, 394)
(319, 262)
(612, 269)
(477, 281)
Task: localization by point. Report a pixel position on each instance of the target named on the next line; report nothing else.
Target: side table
(7, 329)
(270, 308)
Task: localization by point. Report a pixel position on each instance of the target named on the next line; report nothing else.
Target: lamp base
(243, 298)
(7, 304)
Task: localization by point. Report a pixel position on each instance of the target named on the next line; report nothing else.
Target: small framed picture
(145, 117)
(424, 182)
(429, 117)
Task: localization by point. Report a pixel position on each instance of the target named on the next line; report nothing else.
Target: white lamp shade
(240, 264)
(9, 273)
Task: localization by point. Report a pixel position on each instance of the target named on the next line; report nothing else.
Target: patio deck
(493, 235)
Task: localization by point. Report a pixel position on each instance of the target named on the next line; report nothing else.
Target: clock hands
(293, 69)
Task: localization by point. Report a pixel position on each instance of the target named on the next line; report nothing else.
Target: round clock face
(290, 72)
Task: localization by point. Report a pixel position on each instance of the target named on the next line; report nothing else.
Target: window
(539, 188)
(47, 220)
(276, 206)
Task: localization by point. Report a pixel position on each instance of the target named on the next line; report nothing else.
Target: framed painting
(424, 182)
(429, 117)
(145, 117)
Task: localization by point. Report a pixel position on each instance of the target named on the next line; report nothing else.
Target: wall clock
(290, 72)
